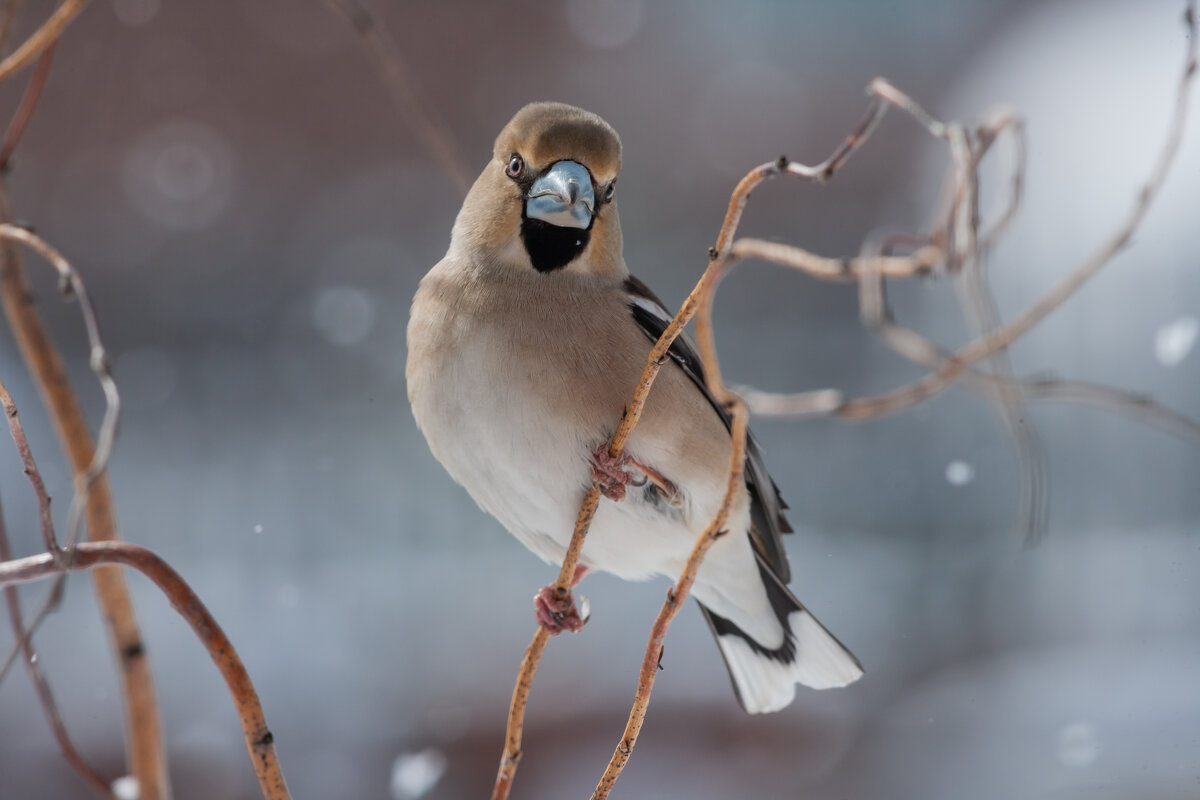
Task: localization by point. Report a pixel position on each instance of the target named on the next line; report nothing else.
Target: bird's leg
(610, 474)
(669, 490)
(557, 613)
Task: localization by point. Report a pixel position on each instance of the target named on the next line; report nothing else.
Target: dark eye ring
(516, 165)
(610, 191)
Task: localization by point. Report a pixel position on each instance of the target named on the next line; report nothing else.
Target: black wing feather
(766, 506)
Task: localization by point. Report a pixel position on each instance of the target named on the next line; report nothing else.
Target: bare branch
(846, 270)
(147, 760)
(29, 102)
(1005, 336)
(677, 594)
(71, 285)
(41, 686)
(533, 654)
(31, 471)
(516, 715)
(260, 742)
(42, 38)
(1138, 406)
(9, 10)
(381, 48)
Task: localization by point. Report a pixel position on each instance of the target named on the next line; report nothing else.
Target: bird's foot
(556, 614)
(610, 474)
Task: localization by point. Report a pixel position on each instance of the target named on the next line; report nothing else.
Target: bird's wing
(766, 509)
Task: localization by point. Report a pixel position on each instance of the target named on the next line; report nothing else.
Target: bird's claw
(556, 614)
(611, 475)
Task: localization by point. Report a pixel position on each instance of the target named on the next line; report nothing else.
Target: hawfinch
(524, 344)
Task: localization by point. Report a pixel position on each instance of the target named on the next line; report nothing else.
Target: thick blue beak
(563, 196)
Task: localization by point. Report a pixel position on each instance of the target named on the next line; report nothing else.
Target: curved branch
(42, 38)
(397, 78)
(42, 686)
(260, 742)
(147, 759)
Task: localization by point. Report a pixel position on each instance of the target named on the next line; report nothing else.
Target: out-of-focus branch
(950, 369)
(381, 48)
(9, 9)
(147, 760)
(40, 685)
(29, 466)
(29, 102)
(260, 742)
(1140, 407)
(42, 38)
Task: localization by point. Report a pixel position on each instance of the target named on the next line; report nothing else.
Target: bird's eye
(516, 165)
(610, 191)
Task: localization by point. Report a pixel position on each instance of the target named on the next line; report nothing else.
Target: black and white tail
(765, 679)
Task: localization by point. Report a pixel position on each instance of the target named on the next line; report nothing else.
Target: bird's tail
(765, 679)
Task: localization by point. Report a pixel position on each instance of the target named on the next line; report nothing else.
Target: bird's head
(547, 199)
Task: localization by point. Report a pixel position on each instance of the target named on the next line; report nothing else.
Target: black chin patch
(552, 247)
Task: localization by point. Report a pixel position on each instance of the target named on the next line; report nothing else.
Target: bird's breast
(511, 398)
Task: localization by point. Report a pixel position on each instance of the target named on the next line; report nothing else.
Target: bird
(524, 344)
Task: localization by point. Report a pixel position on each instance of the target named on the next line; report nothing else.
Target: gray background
(252, 218)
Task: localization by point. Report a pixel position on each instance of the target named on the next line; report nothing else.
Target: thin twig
(381, 48)
(146, 752)
(30, 468)
(71, 285)
(1000, 121)
(677, 594)
(1003, 337)
(9, 9)
(1140, 407)
(41, 686)
(42, 38)
(840, 270)
(516, 715)
(533, 654)
(29, 101)
(260, 742)
(965, 260)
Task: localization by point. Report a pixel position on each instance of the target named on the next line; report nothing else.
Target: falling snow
(959, 473)
(125, 788)
(414, 774)
(1174, 341)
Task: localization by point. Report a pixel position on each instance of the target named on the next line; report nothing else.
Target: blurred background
(252, 216)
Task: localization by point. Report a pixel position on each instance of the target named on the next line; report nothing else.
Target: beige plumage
(525, 342)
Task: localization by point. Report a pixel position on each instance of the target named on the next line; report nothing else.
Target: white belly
(525, 462)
